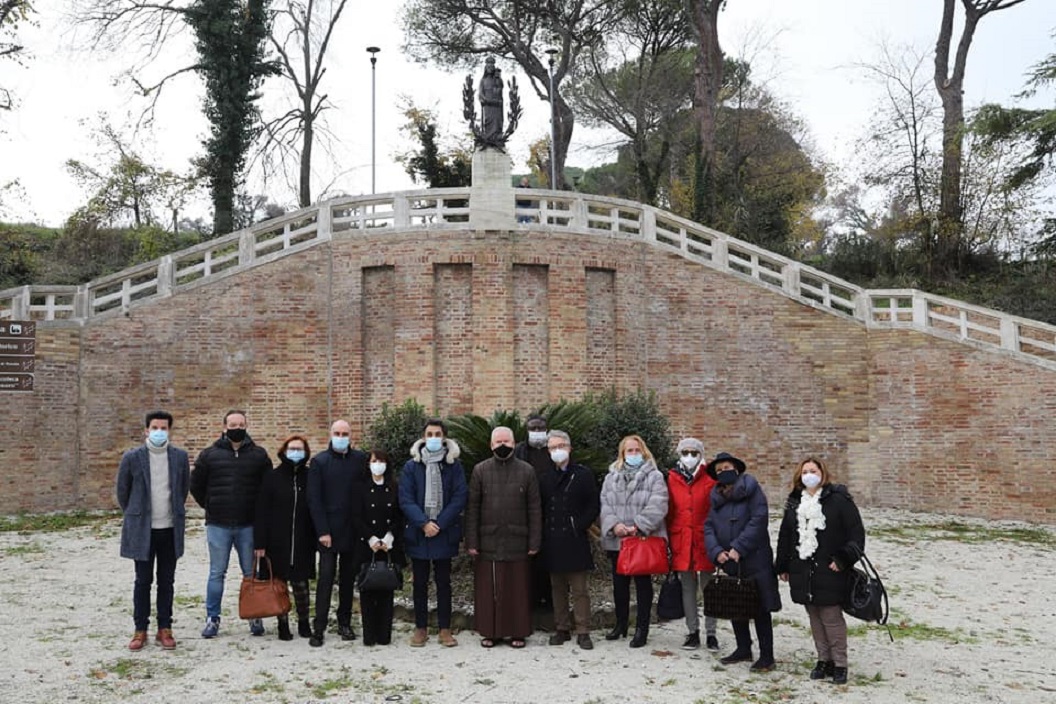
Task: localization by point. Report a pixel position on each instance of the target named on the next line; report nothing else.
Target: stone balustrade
(536, 209)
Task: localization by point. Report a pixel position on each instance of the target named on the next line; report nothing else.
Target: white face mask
(559, 456)
(537, 438)
(690, 462)
(377, 468)
(810, 480)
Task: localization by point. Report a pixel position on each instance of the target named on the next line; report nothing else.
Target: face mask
(559, 456)
(633, 460)
(339, 444)
(158, 437)
(377, 468)
(295, 456)
(236, 434)
(503, 451)
(727, 477)
(810, 480)
(434, 444)
(689, 461)
(537, 438)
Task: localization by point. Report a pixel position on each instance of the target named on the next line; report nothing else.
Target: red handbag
(642, 555)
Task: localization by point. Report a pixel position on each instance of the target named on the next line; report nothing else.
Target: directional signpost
(18, 349)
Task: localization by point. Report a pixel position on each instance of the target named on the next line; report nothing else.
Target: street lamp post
(552, 52)
(373, 115)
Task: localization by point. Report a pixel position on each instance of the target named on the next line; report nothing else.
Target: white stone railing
(449, 209)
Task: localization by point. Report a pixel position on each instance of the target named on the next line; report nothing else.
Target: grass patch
(769, 692)
(188, 601)
(54, 522)
(962, 532)
(904, 628)
(31, 549)
(266, 683)
(325, 688)
(135, 669)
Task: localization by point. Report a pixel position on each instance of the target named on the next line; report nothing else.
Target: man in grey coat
(152, 484)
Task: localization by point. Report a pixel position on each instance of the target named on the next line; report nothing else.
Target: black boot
(284, 628)
(317, 639)
(824, 669)
(304, 629)
(839, 675)
(345, 631)
(641, 637)
(692, 641)
(301, 600)
(620, 631)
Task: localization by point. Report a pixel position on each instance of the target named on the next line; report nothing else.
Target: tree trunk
(306, 160)
(707, 83)
(564, 124)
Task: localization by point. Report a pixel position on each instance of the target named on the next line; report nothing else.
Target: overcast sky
(806, 50)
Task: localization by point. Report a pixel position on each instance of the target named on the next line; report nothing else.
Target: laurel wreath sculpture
(469, 112)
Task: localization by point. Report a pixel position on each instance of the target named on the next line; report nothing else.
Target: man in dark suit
(335, 479)
(152, 484)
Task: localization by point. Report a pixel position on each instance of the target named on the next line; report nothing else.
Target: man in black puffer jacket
(225, 481)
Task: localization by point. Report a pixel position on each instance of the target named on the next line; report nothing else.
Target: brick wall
(476, 321)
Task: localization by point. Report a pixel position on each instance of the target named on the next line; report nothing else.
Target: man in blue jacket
(335, 478)
(225, 482)
(433, 495)
(152, 490)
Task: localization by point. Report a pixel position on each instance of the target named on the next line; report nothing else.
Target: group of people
(525, 516)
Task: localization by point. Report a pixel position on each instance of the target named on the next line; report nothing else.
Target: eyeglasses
(691, 453)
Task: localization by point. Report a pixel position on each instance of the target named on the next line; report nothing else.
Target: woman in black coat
(282, 529)
(738, 541)
(379, 534)
(821, 538)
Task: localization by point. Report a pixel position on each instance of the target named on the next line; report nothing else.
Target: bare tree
(949, 81)
(455, 33)
(301, 36)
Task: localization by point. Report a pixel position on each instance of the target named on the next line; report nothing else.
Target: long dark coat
(811, 581)
(133, 496)
(444, 545)
(504, 519)
(379, 513)
(571, 504)
(283, 526)
(334, 482)
(738, 520)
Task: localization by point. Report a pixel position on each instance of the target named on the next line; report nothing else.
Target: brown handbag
(263, 598)
(731, 597)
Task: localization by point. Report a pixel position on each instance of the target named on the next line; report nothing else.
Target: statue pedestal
(491, 198)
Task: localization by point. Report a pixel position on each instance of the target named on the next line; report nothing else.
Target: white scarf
(811, 520)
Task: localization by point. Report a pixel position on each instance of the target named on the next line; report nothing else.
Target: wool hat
(724, 457)
(690, 444)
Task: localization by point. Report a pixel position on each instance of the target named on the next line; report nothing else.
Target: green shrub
(635, 414)
(395, 431)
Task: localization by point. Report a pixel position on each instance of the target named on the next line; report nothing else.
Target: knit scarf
(434, 485)
(811, 520)
(687, 474)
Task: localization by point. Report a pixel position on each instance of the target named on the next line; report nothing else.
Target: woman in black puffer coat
(820, 539)
(283, 529)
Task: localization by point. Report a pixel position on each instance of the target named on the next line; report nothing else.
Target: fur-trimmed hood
(450, 445)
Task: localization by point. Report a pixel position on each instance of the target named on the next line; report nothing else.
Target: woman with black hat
(738, 541)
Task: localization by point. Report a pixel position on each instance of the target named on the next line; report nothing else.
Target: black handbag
(866, 598)
(669, 603)
(377, 576)
(731, 597)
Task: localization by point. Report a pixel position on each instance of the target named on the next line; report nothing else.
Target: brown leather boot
(419, 638)
(139, 639)
(165, 639)
(446, 639)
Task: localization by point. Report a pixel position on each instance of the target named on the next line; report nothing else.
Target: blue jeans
(220, 540)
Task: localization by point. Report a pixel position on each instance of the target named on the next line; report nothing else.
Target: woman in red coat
(689, 491)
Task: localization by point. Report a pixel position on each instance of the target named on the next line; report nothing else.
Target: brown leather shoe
(139, 639)
(446, 639)
(165, 639)
(419, 638)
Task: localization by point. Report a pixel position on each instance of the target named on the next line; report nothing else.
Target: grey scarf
(434, 486)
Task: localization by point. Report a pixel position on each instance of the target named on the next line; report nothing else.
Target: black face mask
(503, 451)
(236, 434)
(727, 477)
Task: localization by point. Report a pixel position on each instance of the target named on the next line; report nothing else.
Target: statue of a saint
(491, 101)
(490, 133)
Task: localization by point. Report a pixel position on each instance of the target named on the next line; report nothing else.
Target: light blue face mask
(158, 437)
(434, 444)
(295, 456)
(339, 444)
(633, 460)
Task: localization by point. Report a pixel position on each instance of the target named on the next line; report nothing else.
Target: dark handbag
(669, 603)
(263, 598)
(866, 598)
(731, 597)
(377, 576)
(642, 555)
